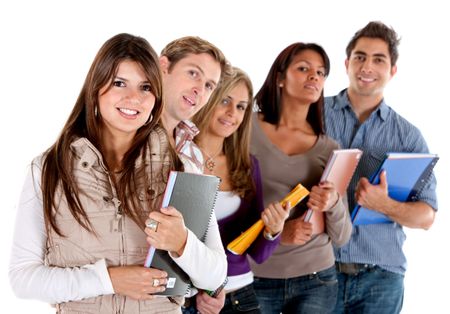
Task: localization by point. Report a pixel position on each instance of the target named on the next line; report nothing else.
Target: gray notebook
(194, 195)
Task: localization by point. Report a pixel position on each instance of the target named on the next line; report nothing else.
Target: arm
(28, 274)
(324, 197)
(206, 263)
(408, 214)
(274, 217)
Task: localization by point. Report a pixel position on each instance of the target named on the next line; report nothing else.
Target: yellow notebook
(242, 243)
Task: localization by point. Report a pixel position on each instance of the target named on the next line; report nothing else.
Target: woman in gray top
(289, 142)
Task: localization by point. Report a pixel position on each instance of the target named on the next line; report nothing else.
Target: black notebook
(407, 174)
(194, 195)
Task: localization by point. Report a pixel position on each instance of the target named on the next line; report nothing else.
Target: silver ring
(152, 224)
(155, 282)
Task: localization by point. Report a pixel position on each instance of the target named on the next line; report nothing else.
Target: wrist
(271, 236)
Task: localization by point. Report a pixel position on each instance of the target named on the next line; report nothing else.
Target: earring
(149, 120)
(96, 112)
(281, 85)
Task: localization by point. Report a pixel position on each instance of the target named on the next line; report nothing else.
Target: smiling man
(371, 266)
(192, 68)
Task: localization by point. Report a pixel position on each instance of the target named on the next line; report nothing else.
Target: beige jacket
(117, 238)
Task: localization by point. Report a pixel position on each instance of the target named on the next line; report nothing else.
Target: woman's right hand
(296, 232)
(137, 282)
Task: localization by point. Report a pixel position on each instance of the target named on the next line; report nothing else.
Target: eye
(225, 101)
(303, 69)
(379, 60)
(321, 73)
(242, 107)
(118, 83)
(209, 87)
(147, 88)
(360, 58)
(193, 73)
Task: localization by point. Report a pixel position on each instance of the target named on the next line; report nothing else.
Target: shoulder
(408, 133)
(158, 139)
(327, 142)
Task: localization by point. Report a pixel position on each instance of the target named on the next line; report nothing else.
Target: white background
(47, 47)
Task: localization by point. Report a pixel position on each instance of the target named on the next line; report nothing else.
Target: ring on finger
(155, 282)
(151, 224)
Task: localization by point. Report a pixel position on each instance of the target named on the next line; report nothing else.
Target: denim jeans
(310, 294)
(371, 291)
(241, 301)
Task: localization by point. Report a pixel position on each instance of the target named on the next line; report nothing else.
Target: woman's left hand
(170, 233)
(322, 196)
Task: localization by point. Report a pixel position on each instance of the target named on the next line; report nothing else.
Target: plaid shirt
(186, 149)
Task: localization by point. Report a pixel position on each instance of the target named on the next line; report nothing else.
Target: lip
(128, 111)
(226, 122)
(189, 100)
(311, 86)
(366, 79)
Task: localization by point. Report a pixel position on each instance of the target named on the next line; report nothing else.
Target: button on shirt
(383, 131)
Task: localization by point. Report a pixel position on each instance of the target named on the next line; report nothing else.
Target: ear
(346, 65)
(164, 63)
(393, 70)
(280, 80)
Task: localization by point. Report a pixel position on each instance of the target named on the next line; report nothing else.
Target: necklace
(210, 162)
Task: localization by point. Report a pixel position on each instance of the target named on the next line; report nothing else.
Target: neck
(293, 116)
(169, 124)
(363, 105)
(115, 147)
(211, 146)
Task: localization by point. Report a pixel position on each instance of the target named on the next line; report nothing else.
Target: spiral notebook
(194, 195)
(339, 170)
(407, 174)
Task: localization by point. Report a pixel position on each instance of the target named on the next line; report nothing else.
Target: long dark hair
(268, 97)
(84, 121)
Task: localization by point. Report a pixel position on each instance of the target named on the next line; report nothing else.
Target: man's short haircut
(379, 30)
(181, 47)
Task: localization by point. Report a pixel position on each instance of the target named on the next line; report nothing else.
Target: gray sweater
(280, 173)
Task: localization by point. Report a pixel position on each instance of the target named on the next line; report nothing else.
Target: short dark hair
(268, 98)
(379, 30)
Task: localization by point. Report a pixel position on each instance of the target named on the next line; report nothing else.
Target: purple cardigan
(232, 226)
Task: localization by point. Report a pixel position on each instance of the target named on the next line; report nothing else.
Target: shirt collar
(343, 102)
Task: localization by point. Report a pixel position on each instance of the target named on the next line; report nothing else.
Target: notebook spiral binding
(203, 238)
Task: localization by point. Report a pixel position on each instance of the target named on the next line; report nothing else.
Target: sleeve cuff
(101, 269)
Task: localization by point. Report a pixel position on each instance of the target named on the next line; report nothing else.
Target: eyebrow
(379, 54)
(306, 61)
(127, 80)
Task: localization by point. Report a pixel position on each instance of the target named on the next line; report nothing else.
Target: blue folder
(407, 174)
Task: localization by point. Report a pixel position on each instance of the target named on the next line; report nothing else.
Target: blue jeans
(241, 301)
(314, 293)
(371, 291)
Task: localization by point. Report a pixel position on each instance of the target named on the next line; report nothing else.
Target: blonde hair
(181, 47)
(237, 145)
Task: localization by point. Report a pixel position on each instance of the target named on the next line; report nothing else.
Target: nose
(198, 89)
(367, 65)
(313, 76)
(133, 95)
(231, 110)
